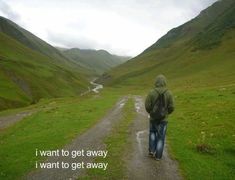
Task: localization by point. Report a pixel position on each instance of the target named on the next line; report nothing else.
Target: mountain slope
(197, 53)
(28, 39)
(97, 61)
(28, 75)
(206, 20)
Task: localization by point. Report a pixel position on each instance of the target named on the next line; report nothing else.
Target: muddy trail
(6, 121)
(92, 139)
(139, 164)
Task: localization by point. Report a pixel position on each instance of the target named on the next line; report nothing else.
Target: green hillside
(197, 53)
(28, 39)
(31, 69)
(28, 74)
(97, 61)
(198, 59)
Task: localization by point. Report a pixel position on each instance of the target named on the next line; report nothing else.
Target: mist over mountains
(32, 69)
(196, 54)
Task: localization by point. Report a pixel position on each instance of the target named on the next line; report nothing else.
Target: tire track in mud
(139, 164)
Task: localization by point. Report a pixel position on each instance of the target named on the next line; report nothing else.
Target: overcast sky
(123, 27)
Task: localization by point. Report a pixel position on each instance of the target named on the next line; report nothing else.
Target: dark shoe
(157, 159)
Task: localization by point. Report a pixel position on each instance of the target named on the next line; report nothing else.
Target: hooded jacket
(160, 87)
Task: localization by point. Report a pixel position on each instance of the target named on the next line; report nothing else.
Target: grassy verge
(49, 129)
(116, 144)
(42, 104)
(201, 133)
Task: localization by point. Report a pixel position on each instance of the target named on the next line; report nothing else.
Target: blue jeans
(157, 132)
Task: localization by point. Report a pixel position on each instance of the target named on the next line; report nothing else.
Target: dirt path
(92, 139)
(6, 121)
(140, 165)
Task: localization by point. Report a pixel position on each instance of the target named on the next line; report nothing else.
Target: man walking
(159, 104)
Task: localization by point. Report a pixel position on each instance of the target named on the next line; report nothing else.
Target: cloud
(119, 26)
(70, 41)
(6, 10)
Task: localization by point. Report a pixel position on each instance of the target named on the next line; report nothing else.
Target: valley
(51, 99)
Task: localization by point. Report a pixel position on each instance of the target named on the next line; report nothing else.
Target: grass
(201, 133)
(50, 128)
(31, 69)
(199, 53)
(117, 145)
(201, 130)
(27, 76)
(183, 68)
(97, 61)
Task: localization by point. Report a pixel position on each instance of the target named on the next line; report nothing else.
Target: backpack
(159, 110)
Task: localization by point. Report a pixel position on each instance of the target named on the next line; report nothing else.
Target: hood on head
(160, 81)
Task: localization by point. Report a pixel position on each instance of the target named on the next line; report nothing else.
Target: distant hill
(28, 39)
(98, 61)
(31, 69)
(198, 53)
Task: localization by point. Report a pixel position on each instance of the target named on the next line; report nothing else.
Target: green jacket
(160, 87)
